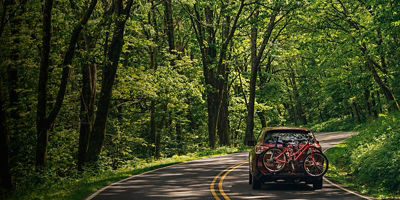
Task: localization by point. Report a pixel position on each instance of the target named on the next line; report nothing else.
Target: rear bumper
(284, 175)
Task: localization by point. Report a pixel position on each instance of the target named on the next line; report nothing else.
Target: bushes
(371, 159)
(334, 124)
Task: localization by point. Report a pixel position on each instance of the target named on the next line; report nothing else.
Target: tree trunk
(236, 135)
(41, 121)
(370, 65)
(109, 72)
(153, 127)
(3, 19)
(157, 145)
(296, 118)
(367, 95)
(223, 115)
(5, 175)
(356, 112)
(12, 69)
(157, 139)
(299, 107)
(374, 106)
(223, 104)
(223, 121)
(292, 110)
(212, 94)
(169, 24)
(157, 136)
(152, 20)
(88, 98)
(393, 104)
(212, 118)
(378, 98)
(179, 137)
(263, 120)
(256, 56)
(253, 79)
(12, 79)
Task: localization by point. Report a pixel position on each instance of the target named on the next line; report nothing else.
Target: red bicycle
(314, 162)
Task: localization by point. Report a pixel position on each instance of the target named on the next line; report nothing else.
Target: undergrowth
(370, 161)
(334, 124)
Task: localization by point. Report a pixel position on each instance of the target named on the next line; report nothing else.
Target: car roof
(284, 128)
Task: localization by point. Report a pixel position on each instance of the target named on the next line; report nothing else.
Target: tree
(44, 123)
(339, 17)
(204, 28)
(257, 56)
(97, 135)
(88, 97)
(5, 175)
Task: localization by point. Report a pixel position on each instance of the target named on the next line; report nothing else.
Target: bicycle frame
(296, 154)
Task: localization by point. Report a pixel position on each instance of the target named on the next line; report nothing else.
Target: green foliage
(313, 73)
(369, 161)
(334, 124)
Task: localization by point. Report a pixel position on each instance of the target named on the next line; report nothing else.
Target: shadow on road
(192, 181)
(237, 187)
(287, 187)
(184, 181)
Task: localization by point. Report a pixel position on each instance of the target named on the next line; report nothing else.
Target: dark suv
(285, 141)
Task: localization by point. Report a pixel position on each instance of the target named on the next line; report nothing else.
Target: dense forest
(100, 83)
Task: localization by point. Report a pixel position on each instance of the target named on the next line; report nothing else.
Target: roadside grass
(80, 185)
(369, 162)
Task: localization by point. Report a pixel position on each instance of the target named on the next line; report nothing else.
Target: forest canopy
(106, 83)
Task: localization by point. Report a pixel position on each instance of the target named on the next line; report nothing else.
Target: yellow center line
(212, 186)
(221, 190)
(227, 170)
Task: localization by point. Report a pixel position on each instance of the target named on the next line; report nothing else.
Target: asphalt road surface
(224, 177)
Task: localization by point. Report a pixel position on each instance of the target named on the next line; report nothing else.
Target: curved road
(224, 177)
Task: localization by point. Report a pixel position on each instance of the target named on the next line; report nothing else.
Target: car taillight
(260, 149)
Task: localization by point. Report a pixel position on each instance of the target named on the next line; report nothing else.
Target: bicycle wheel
(315, 164)
(272, 162)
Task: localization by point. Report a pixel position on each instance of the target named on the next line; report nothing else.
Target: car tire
(317, 184)
(250, 178)
(256, 184)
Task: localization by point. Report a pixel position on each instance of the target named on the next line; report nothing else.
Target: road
(224, 177)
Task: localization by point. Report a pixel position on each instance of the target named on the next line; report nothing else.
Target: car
(287, 154)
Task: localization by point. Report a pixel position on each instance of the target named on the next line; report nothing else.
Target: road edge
(348, 190)
(337, 185)
(90, 197)
(94, 194)
(343, 187)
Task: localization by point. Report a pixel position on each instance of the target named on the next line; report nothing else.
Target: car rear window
(286, 135)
